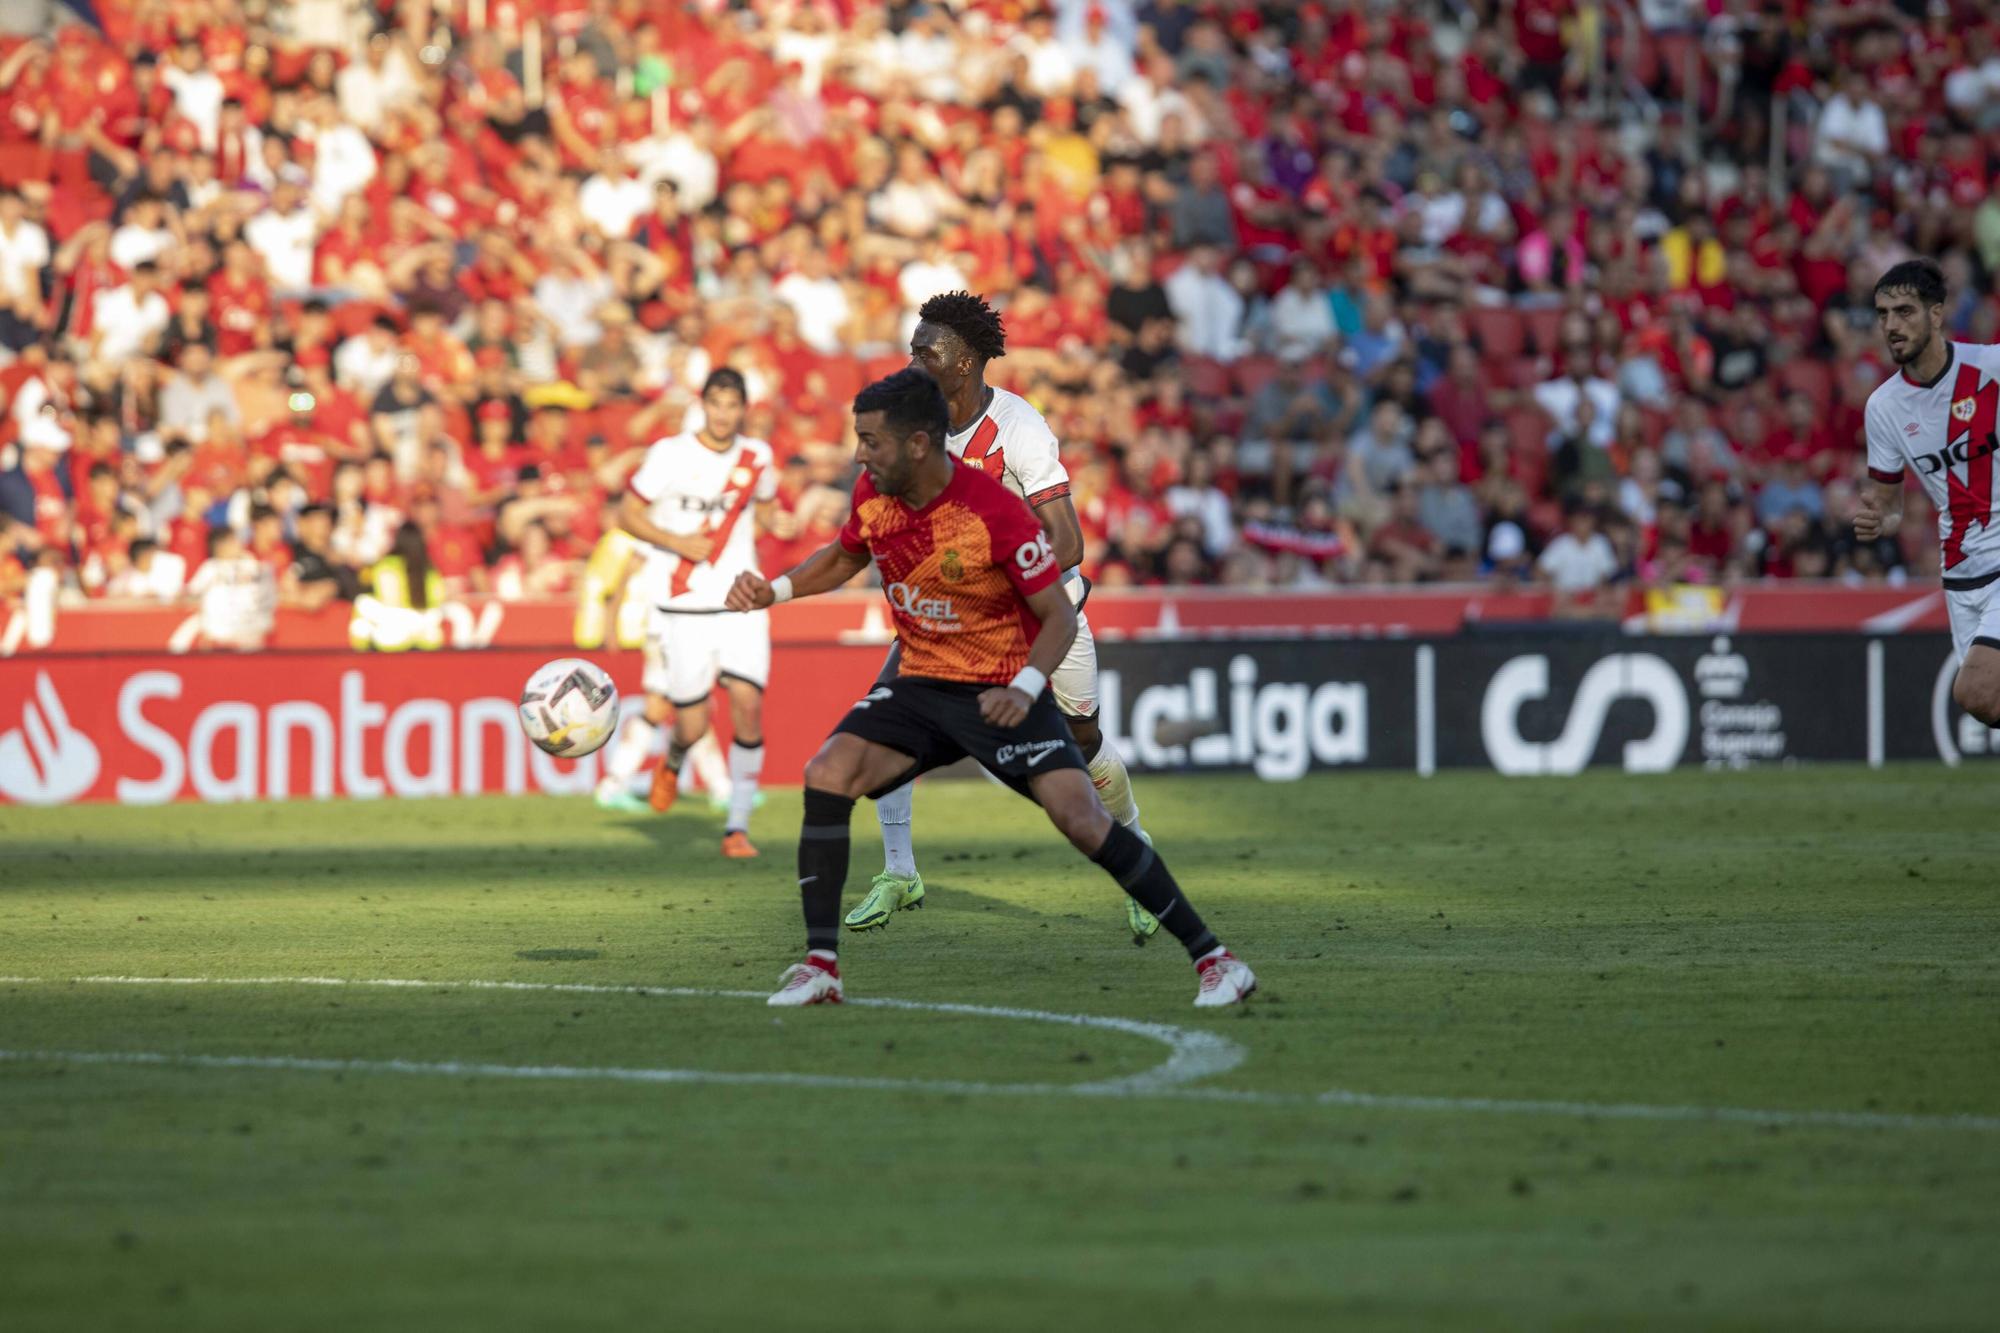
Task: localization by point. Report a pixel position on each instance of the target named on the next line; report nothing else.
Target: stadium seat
(1499, 331)
(1809, 377)
(1528, 428)
(1205, 378)
(1544, 324)
(1253, 373)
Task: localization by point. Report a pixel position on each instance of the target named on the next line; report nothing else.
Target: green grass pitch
(1786, 942)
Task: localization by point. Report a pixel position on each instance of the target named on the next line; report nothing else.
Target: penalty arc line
(1194, 1054)
(1191, 1055)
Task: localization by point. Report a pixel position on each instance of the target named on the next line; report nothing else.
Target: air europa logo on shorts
(909, 599)
(1033, 751)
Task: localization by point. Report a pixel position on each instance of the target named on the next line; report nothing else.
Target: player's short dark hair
(976, 323)
(726, 377)
(1922, 278)
(909, 401)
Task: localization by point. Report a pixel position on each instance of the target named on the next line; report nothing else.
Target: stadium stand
(1313, 294)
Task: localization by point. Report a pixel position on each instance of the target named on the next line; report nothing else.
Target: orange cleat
(736, 845)
(666, 786)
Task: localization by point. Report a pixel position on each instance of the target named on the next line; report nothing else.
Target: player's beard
(893, 480)
(1912, 349)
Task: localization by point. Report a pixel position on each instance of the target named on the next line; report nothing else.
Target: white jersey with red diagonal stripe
(1012, 443)
(689, 488)
(1948, 432)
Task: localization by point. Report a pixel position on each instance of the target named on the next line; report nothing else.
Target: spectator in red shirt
(455, 553)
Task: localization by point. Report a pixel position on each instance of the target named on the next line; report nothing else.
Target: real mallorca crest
(951, 567)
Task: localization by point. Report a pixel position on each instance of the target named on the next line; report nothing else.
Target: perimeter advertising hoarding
(144, 728)
(1534, 703)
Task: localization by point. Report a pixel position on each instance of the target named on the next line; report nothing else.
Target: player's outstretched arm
(1881, 510)
(1007, 705)
(830, 567)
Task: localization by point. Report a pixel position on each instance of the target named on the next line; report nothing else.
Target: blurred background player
(974, 587)
(1940, 414)
(604, 613)
(1005, 437)
(692, 502)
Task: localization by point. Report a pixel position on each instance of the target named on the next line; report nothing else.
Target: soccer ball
(569, 708)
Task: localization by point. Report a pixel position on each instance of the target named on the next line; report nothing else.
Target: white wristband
(1029, 682)
(781, 589)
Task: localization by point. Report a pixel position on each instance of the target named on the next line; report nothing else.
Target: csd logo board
(1643, 701)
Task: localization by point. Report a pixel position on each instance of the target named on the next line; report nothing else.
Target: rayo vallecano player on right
(1005, 437)
(1940, 415)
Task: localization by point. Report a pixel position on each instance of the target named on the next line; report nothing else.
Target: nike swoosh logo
(1038, 758)
(809, 879)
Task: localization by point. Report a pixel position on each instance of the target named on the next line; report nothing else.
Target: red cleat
(666, 786)
(736, 845)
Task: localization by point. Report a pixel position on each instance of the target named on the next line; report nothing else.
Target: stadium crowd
(1317, 293)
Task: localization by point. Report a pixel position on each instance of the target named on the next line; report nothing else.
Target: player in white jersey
(1940, 418)
(1002, 434)
(697, 502)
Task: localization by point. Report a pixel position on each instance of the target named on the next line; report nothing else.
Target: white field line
(1191, 1055)
(1194, 1055)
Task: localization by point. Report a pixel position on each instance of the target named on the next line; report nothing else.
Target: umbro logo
(1913, 429)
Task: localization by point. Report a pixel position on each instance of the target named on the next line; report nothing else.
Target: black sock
(823, 841)
(676, 754)
(1146, 877)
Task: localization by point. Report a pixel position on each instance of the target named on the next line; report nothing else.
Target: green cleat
(888, 895)
(624, 802)
(1143, 924)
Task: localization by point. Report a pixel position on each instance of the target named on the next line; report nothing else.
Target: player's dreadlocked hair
(976, 323)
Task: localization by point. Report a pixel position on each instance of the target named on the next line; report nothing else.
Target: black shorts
(937, 722)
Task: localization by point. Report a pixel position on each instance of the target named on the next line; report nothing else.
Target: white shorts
(1075, 678)
(1975, 617)
(686, 655)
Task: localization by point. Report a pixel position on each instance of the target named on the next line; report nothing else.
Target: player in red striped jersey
(1003, 435)
(697, 500)
(1939, 417)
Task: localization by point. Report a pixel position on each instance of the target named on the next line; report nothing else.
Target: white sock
(746, 763)
(704, 760)
(628, 754)
(1216, 952)
(1114, 785)
(899, 854)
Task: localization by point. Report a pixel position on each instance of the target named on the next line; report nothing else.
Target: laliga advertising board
(142, 729)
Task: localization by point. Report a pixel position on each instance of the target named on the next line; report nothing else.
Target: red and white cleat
(1225, 979)
(815, 981)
